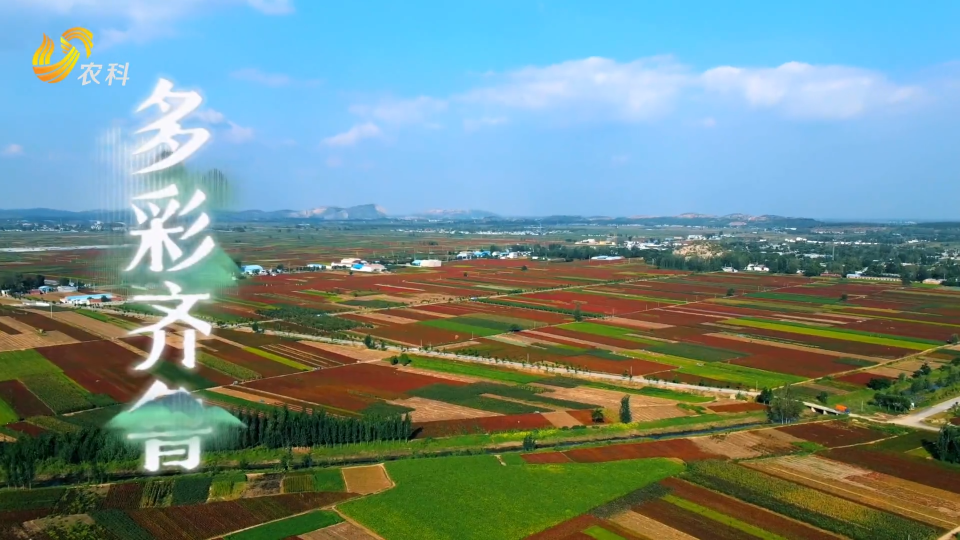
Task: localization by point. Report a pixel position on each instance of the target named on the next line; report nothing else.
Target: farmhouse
(757, 268)
(427, 263)
(252, 269)
(84, 299)
(315, 266)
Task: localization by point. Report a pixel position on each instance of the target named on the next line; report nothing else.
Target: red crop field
(9, 331)
(832, 434)
(677, 448)
(15, 394)
(861, 378)
(101, 367)
(546, 457)
(737, 407)
(123, 496)
(920, 470)
(593, 338)
(900, 328)
(746, 513)
(490, 424)
(352, 387)
(689, 522)
(25, 427)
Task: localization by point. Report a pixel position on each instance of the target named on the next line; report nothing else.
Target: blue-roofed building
(252, 269)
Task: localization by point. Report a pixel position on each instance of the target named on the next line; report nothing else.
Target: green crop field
(474, 370)
(696, 352)
(289, 527)
(834, 333)
(607, 330)
(18, 364)
(731, 373)
(463, 329)
(477, 498)
(793, 297)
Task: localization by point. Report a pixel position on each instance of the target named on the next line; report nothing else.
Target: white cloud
(354, 135)
(473, 124)
(12, 150)
(801, 90)
(210, 116)
(333, 162)
(140, 21)
(590, 87)
(708, 122)
(261, 77)
(232, 132)
(402, 111)
(238, 134)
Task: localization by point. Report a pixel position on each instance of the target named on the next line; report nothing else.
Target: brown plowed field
(340, 531)
(361, 354)
(428, 410)
(650, 527)
(561, 419)
(44, 322)
(747, 444)
(366, 480)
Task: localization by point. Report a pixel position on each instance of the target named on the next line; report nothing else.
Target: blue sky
(820, 109)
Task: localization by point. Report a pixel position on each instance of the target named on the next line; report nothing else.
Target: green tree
(368, 341)
(405, 360)
(597, 416)
(823, 397)
(626, 416)
(515, 328)
(577, 314)
(954, 339)
(394, 361)
(731, 291)
(765, 397)
(255, 327)
(948, 444)
(784, 406)
(529, 442)
(523, 268)
(843, 297)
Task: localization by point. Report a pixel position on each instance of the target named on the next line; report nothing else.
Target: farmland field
(430, 496)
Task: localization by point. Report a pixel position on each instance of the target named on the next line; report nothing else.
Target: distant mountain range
(373, 212)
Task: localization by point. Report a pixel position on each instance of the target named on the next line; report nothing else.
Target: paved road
(915, 420)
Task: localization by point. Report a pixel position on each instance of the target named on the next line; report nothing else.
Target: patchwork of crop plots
(774, 492)
(192, 507)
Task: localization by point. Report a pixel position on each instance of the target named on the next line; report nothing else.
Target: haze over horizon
(520, 108)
